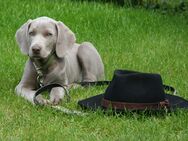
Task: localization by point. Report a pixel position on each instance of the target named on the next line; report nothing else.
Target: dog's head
(39, 37)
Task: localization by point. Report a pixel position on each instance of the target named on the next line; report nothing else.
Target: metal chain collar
(40, 76)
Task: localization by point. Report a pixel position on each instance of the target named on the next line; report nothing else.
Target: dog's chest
(57, 75)
(63, 74)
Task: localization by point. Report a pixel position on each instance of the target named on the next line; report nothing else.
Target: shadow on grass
(116, 2)
(138, 115)
(164, 5)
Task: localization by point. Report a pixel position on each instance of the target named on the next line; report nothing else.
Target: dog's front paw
(55, 99)
(39, 100)
(17, 90)
(56, 95)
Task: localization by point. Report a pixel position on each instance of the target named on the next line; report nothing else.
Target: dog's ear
(22, 37)
(65, 39)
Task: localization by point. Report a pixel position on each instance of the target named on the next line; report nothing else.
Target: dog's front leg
(25, 92)
(27, 86)
(29, 94)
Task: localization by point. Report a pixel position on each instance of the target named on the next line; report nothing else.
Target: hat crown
(135, 87)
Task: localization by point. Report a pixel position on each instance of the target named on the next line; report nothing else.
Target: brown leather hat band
(134, 106)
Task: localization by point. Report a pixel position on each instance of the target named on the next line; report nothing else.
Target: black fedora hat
(134, 91)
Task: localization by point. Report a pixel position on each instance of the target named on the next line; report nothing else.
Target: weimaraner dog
(52, 51)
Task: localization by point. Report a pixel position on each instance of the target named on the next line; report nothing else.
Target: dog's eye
(47, 34)
(32, 33)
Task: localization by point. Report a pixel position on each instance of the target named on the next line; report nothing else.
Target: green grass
(133, 39)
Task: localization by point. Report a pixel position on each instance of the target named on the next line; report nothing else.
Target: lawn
(133, 39)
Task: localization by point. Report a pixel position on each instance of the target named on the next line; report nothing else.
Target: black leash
(48, 88)
(61, 108)
(170, 89)
(53, 85)
(95, 83)
(167, 88)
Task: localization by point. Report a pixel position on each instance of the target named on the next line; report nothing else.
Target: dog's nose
(36, 49)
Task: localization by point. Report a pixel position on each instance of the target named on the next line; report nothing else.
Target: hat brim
(94, 103)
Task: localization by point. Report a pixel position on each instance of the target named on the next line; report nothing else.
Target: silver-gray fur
(73, 62)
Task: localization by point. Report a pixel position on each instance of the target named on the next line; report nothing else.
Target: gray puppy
(54, 54)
